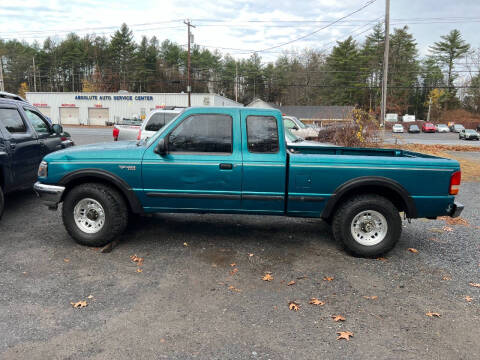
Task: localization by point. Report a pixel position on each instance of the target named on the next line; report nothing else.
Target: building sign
(68, 105)
(40, 105)
(115, 97)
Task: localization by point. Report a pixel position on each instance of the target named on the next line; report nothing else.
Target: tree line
(349, 73)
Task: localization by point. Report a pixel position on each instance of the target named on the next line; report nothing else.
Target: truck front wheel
(94, 214)
(367, 225)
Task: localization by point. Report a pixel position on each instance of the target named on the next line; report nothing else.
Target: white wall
(123, 107)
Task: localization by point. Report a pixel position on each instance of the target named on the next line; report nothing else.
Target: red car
(428, 127)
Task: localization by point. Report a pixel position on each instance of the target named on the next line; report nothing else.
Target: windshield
(301, 124)
(157, 134)
(292, 137)
(469, 131)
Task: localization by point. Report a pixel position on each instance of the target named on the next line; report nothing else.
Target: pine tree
(122, 52)
(447, 51)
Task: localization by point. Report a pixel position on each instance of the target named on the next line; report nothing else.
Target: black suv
(26, 136)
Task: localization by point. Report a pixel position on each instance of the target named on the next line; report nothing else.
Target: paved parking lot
(427, 139)
(187, 300)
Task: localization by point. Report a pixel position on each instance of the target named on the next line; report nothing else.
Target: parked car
(478, 127)
(413, 129)
(299, 128)
(25, 138)
(457, 128)
(428, 127)
(293, 139)
(236, 160)
(468, 134)
(155, 120)
(397, 128)
(442, 128)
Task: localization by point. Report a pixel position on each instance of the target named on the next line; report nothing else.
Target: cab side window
(202, 133)
(262, 134)
(39, 124)
(12, 121)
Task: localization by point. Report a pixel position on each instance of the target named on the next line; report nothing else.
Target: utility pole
(236, 81)
(385, 63)
(189, 87)
(429, 108)
(34, 76)
(73, 80)
(2, 86)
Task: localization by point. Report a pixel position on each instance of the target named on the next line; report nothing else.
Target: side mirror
(162, 147)
(295, 127)
(57, 129)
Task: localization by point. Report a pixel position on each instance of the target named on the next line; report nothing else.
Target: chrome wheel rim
(369, 228)
(89, 215)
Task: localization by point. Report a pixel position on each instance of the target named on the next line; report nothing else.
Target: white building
(79, 108)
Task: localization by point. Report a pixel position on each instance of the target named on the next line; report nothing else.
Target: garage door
(69, 115)
(45, 111)
(97, 116)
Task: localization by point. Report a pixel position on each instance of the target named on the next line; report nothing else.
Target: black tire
(347, 212)
(115, 209)
(2, 202)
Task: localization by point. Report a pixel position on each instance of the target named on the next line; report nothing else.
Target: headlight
(43, 169)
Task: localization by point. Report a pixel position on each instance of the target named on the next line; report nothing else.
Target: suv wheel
(367, 225)
(94, 214)
(2, 202)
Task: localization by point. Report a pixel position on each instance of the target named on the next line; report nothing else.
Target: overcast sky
(248, 24)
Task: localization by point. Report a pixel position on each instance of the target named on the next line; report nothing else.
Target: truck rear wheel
(94, 214)
(367, 225)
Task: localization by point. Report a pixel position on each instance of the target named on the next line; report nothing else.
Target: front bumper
(50, 195)
(455, 210)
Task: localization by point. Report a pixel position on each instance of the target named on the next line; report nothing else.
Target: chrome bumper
(50, 195)
(456, 210)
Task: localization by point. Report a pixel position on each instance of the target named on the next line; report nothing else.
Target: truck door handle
(225, 166)
(13, 146)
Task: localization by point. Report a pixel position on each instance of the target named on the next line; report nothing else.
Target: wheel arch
(379, 185)
(102, 176)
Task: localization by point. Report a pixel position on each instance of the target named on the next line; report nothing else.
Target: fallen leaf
(302, 277)
(328, 278)
(344, 335)
(290, 283)
(250, 255)
(436, 230)
(234, 271)
(468, 298)
(433, 314)
(475, 284)
(233, 288)
(447, 228)
(412, 250)
(162, 340)
(90, 297)
(315, 301)
(139, 270)
(382, 259)
(66, 260)
(185, 244)
(338, 318)
(454, 221)
(79, 304)
(267, 277)
(136, 259)
(374, 297)
(446, 278)
(292, 305)
(233, 264)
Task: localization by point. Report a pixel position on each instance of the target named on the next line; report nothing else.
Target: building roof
(313, 112)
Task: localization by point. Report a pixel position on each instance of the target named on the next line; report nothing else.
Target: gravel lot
(180, 305)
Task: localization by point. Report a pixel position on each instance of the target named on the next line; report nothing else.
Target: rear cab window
(262, 134)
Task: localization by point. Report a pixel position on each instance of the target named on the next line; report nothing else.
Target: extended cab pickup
(236, 160)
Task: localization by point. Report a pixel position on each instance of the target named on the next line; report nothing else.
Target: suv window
(11, 119)
(211, 133)
(289, 123)
(158, 120)
(262, 134)
(41, 126)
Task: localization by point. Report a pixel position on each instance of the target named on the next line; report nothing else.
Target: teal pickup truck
(236, 160)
